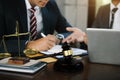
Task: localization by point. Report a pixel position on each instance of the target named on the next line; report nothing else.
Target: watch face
(60, 36)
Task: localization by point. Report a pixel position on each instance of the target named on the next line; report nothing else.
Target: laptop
(104, 45)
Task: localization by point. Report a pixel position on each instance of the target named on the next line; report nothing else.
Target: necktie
(112, 18)
(33, 25)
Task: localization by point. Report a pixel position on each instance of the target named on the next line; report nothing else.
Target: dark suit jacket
(15, 10)
(102, 17)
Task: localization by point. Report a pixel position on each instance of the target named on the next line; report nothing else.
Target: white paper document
(58, 48)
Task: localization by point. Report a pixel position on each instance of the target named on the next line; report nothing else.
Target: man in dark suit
(47, 15)
(104, 15)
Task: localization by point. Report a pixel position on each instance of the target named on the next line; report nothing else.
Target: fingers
(70, 39)
(49, 41)
(73, 29)
(50, 44)
(80, 39)
(70, 29)
(41, 44)
(51, 38)
(77, 35)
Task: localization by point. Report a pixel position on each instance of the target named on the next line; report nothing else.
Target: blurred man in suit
(105, 15)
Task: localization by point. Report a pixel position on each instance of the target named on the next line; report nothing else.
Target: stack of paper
(58, 48)
(30, 67)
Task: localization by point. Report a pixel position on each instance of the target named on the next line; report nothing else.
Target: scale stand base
(18, 60)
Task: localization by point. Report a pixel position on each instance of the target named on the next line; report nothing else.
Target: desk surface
(91, 72)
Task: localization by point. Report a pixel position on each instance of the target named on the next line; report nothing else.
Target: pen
(43, 35)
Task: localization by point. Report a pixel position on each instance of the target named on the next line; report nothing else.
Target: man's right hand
(43, 43)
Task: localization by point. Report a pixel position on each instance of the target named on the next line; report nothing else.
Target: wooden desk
(90, 72)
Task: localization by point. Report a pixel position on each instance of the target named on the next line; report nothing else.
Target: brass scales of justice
(6, 54)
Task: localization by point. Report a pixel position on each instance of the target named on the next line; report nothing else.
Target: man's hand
(76, 36)
(43, 43)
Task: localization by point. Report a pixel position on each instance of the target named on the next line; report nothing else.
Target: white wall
(75, 11)
(61, 5)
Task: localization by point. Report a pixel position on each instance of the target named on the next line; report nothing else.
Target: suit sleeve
(1, 19)
(97, 21)
(61, 21)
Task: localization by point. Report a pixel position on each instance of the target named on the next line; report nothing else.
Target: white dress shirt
(38, 15)
(116, 24)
